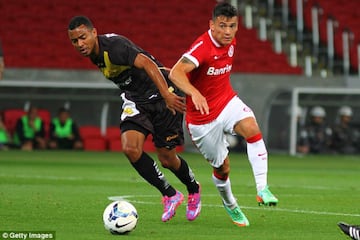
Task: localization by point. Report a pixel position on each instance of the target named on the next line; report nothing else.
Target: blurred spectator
(316, 135)
(285, 130)
(4, 136)
(2, 63)
(64, 133)
(345, 137)
(301, 131)
(30, 132)
(284, 133)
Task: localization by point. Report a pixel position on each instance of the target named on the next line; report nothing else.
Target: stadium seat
(10, 117)
(94, 144)
(45, 116)
(113, 138)
(38, 17)
(113, 132)
(114, 145)
(345, 15)
(90, 131)
(92, 138)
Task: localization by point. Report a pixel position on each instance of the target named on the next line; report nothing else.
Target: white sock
(258, 157)
(224, 188)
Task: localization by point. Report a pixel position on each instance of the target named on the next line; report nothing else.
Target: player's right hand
(175, 103)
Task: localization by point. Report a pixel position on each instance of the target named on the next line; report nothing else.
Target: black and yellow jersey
(116, 61)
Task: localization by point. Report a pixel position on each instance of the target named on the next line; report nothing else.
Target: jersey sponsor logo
(212, 71)
(231, 51)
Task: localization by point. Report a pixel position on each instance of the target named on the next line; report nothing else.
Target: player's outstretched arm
(173, 102)
(178, 75)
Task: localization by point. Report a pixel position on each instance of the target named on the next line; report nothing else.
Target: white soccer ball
(120, 217)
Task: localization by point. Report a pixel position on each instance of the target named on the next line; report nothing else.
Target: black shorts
(154, 118)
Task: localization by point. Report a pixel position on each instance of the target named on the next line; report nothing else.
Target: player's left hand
(175, 103)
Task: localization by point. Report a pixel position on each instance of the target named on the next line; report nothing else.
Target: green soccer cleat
(237, 216)
(265, 197)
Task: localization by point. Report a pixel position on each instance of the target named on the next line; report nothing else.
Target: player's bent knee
(132, 153)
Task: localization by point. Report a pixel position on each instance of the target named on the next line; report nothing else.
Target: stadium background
(42, 67)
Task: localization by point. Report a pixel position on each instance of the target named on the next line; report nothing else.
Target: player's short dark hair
(224, 9)
(77, 21)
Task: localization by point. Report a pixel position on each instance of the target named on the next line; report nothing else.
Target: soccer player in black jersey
(151, 105)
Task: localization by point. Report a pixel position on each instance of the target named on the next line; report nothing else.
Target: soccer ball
(120, 217)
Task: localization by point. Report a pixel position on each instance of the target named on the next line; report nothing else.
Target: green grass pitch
(67, 192)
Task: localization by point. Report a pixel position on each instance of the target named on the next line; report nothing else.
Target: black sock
(149, 170)
(186, 176)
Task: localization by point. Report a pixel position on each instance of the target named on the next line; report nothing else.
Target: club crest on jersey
(231, 51)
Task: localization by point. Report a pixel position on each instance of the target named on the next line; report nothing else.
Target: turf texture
(66, 192)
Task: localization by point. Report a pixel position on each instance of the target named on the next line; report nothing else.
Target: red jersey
(211, 76)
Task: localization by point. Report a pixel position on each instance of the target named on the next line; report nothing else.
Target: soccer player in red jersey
(213, 108)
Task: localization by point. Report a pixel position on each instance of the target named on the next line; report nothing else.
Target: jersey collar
(213, 40)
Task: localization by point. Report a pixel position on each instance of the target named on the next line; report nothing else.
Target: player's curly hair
(77, 21)
(224, 9)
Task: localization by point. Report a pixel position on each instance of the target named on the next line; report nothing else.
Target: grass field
(66, 192)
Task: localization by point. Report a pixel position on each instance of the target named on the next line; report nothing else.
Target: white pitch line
(302, 211)
(114, 198)
(111, 179)
(67, 178)
(276, 209)
(311, 187)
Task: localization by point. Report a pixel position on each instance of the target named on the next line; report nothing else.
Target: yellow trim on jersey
(112, 70)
